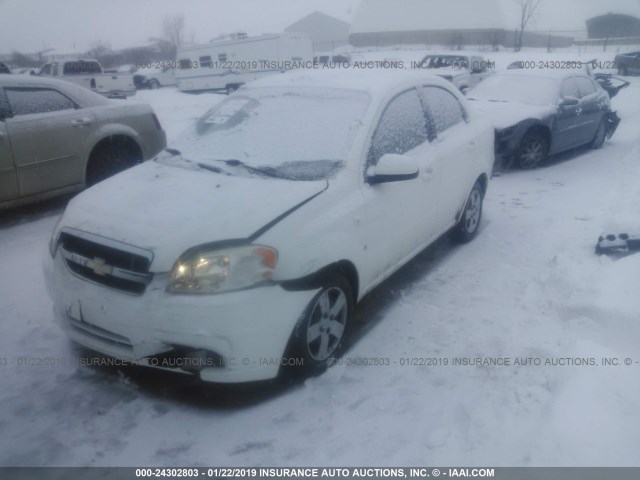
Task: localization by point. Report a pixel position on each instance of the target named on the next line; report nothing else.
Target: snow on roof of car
(82, 94)
(375, 81)
(539, 73)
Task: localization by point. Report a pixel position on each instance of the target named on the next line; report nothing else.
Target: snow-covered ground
(529, 286)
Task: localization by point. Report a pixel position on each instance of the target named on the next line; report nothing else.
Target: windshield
(517, 88)
(293, 133)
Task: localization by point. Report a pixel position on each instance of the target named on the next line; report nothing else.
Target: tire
(154, 84)
(232, 88)
(601, 135)
(318, 337)
(622, 70)
(469, 223)
(109, 160)
(533, 150)
(464, 90)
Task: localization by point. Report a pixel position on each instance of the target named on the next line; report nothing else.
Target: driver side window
(570, 88)
(402, 127)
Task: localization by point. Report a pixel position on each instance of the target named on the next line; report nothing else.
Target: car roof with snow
(34, 81)
(376, 82)
(549, 74)
(84, 95)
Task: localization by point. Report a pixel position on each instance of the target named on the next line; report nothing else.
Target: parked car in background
(465, 72)
(540, 113)
(155, 78)
(230, 251)
(4, 68)
(56, 137)
(628, 63)
(89, 74)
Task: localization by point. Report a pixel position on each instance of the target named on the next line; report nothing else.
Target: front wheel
(623, 71)
(533, 150)
(319, 335)
(469, 223)
(154, 84)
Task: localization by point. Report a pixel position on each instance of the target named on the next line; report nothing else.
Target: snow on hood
(508, 114)
(168, 209)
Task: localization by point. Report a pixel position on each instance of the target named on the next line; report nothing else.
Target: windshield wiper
(210, 168)
(262, 171)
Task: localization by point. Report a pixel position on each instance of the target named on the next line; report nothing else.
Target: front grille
(106, 262)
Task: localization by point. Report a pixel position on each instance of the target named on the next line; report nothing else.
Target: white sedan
(242, 251)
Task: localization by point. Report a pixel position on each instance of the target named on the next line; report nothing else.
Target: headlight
(55, 236)
(216, 271)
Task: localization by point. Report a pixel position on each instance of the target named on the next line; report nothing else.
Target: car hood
(507, 114)
(168, 209)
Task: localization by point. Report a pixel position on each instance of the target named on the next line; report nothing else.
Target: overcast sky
(71, 25)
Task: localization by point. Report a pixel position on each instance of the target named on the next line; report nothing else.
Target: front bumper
(249, 330)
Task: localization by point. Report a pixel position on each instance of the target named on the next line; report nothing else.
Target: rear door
(593, 106)
(454, 148)
(47, 132)
(8, 179)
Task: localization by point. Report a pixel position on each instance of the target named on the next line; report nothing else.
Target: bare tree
(527, 11)
(173, 30)
(99, 50)
(21, 60)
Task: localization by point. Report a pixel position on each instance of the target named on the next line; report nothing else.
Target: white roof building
(388, 22)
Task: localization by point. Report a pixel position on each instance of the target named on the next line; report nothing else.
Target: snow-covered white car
(540, 113)
(57, 138)
(244, 248)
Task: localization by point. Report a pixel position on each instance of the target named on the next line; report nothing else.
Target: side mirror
(569, 102)
(393, 168)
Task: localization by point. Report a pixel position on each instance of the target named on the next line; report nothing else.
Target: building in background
(614, 29)
(454, 23)
(326, 32)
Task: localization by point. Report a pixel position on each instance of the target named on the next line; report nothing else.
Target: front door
(401, 216)
(46, 138)
(568, 128)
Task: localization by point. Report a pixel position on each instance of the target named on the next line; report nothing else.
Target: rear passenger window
(445, 109)
(402, 128)
(586, 86)
(25, 101)
(81, 67)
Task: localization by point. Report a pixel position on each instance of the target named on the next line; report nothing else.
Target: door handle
(83, 122)
(578, 111)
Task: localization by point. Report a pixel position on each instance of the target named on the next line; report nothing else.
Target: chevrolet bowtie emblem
(99, 267)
